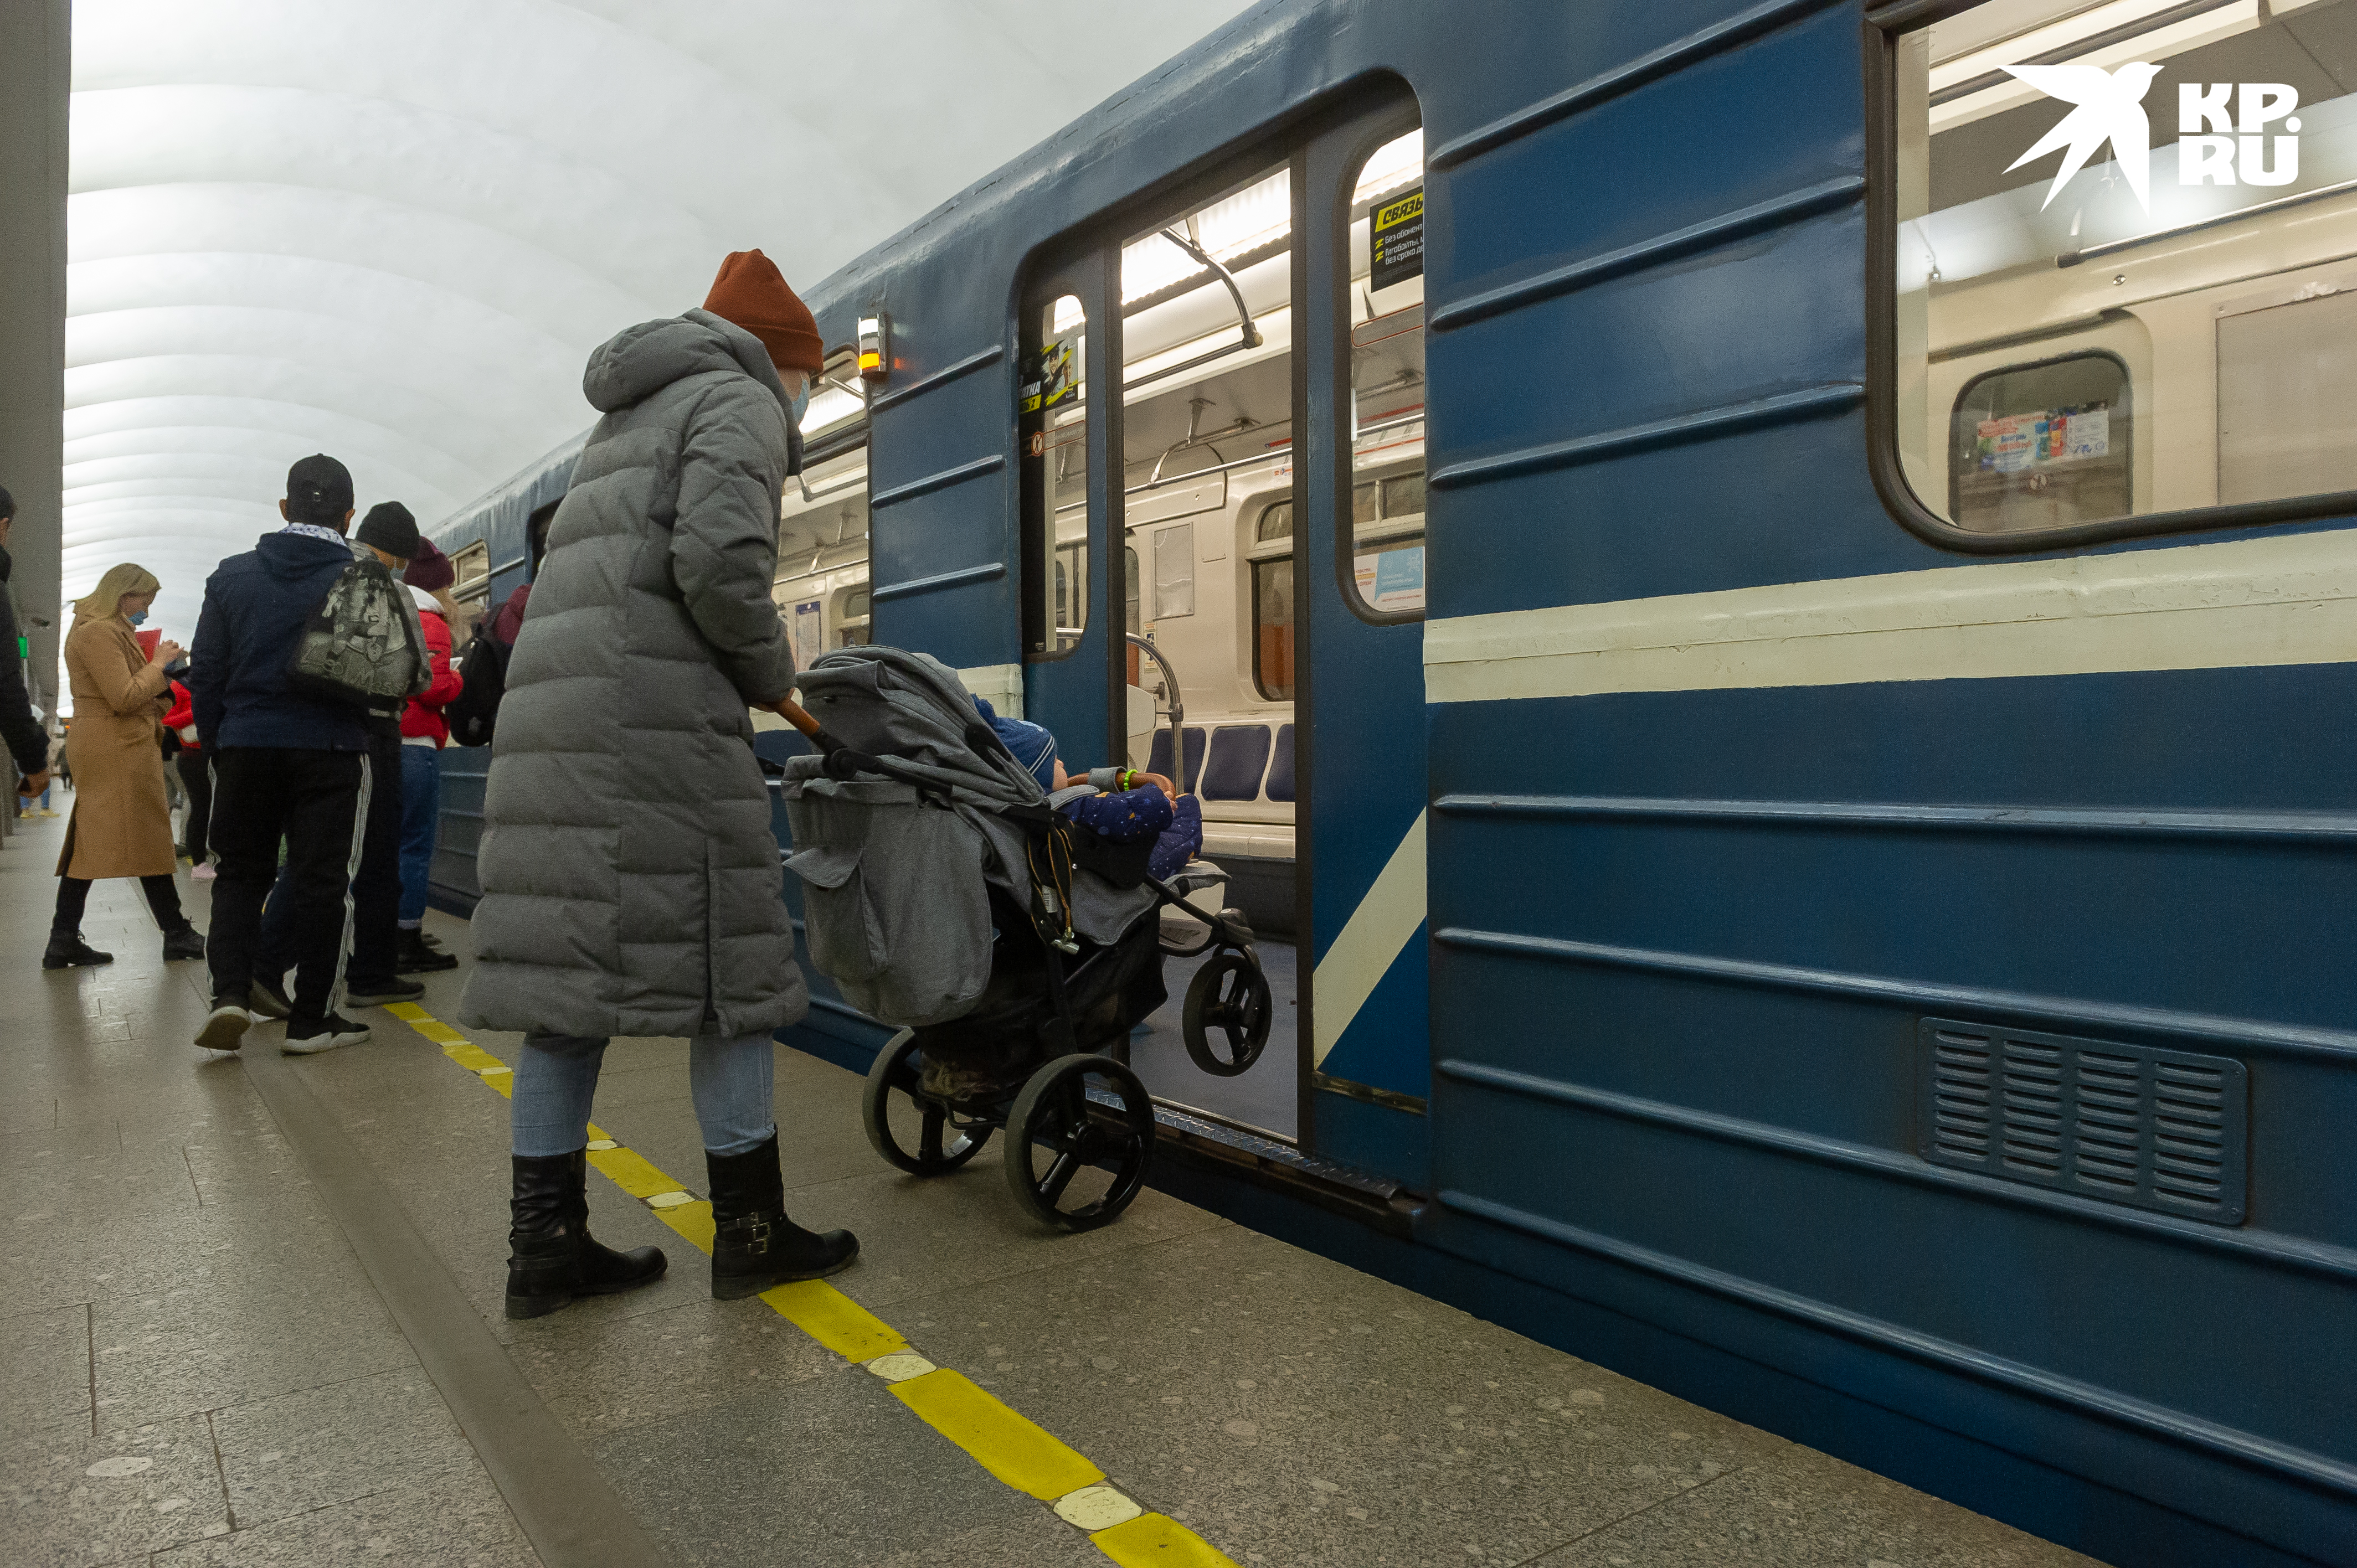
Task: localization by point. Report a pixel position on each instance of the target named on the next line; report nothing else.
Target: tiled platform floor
(197, 1369)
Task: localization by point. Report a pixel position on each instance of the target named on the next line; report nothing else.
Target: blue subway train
(1763, 598)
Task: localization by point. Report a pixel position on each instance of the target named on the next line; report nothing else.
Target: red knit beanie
(752, 293)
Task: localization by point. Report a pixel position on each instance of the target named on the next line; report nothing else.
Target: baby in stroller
(1122, 804)
(1003, 923)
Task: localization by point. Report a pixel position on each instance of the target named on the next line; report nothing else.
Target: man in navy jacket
(284, 766)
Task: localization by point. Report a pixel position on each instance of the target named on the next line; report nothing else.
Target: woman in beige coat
(120, 825)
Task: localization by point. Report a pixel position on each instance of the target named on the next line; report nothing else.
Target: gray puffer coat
(630, 883)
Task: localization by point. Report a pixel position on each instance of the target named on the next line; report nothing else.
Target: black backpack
(483, 666)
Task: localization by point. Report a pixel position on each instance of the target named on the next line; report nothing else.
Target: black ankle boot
(414, 957)
(66, 949)
(552, 1257)
(754, 1245)
(186, 942)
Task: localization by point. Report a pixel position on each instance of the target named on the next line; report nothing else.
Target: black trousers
(376, 944)
(196, 777)
(316, 800)
(73, 896)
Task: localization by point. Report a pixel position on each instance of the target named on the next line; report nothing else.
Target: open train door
(1358, 603)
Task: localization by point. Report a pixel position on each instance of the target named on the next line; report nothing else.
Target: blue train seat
(1239, 758)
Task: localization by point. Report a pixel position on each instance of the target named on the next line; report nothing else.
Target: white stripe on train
(2289, 599)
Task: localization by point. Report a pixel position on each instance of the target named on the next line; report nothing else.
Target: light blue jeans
(555, 1079)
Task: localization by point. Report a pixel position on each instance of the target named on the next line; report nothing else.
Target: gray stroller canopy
(912, 710)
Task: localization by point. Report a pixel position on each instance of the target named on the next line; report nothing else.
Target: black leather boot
(552, 1257)
(414, 957)
(67, 949)
(754, 1245)
(186, 942)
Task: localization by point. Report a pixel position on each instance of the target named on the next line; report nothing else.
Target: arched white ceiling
(392, 230)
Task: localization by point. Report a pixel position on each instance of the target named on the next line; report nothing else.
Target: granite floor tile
(36, 1149)
(150, 1177)
(45, 1376)
(1799, 1508)
(1285, 1404)
(53, 1261)
(258, 1333)
(920, 1236)
(454, 1523)
(295, 1453)
(72, 1500)
(601, 1375)
(27, 1113)
(835, 1473)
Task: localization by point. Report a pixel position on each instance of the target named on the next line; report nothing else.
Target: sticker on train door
(1391, 581)
(1054, 376)
(1396, 238)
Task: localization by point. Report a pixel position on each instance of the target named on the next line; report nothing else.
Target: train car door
(1359, 595)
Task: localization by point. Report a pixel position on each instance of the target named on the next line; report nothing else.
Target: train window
(1053, 410)
(472, 563)
(1174, 571)
(823, 518)
(1206, 338)
(1072, 592)
(2097, 319)
(854, 614)
(1271, 588)
(1404, 496)
(1386, 408)
(1272, 602)
(2034, 445)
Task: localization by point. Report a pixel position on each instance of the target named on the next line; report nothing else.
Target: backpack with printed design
(361, 646)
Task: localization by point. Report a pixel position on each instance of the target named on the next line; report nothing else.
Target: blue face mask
(801, 402)
(137, 617)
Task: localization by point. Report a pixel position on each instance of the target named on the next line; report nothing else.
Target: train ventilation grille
(2160, 1130)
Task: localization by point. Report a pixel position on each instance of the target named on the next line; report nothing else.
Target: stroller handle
(842, 762)
(795, 714)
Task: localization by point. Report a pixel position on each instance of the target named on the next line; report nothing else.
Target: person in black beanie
(387, 534)
(26, 742)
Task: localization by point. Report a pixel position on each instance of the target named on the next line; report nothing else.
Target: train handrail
(1177, 710)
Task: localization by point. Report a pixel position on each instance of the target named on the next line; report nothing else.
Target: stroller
(945, 893)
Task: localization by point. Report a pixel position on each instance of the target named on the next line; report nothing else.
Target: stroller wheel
(1227, 1015)
(1078, 1142)
(923, 1143)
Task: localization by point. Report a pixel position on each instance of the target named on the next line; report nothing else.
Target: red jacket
(182, 713)
(424, 714)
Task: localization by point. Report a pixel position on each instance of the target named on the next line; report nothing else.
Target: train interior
(2106, 350)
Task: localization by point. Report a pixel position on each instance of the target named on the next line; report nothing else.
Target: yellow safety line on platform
(1016, 1451)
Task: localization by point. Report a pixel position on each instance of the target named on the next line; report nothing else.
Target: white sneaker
(309, 1037)
(225, 1029)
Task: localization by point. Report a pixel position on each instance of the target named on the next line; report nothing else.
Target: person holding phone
(121, 824)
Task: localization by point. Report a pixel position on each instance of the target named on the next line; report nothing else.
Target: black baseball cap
(319, 490)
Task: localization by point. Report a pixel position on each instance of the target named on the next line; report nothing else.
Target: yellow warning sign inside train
(1395, 231)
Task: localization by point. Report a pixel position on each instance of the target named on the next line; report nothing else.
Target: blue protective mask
(136, 617)
(800, 403)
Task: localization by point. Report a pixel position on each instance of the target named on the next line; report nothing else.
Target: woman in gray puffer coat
(630, 883)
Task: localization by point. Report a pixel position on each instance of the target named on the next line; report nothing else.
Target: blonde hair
(106, 601)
